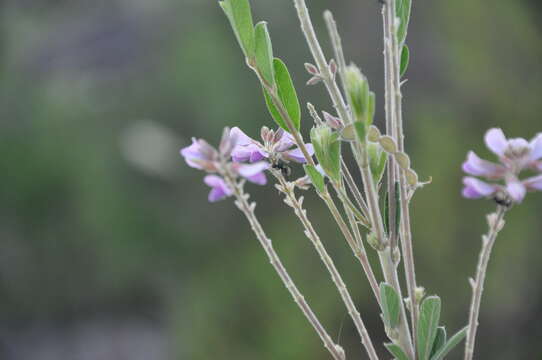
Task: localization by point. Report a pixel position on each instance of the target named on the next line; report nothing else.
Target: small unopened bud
(411, 177)
(419, 294)
(333, 121)
(314, 80)
(333, 67)
(311, 69)
(402, 159)
(357, 89)
(388, 144)
(373, 134)
(227, 143)
(266, 134)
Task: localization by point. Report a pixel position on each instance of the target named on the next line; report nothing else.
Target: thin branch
(248, 210)
(297, 204)
(496, 223)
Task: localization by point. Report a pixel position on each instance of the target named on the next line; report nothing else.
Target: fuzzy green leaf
(241, 18)
(391, 305)
(405, 59)
(396, 351)
(402, 10)
(264, 53)
(440, 340)
(317, 179)
(427, 326)
(454, 340)
(287, 92)
(273, 110)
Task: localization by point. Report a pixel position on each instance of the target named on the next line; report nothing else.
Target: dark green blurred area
(108, 247)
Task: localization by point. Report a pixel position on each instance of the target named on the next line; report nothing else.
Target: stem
(359, 251)
(394, 119)
(496, 223)
(320, 59)
(297, 204)
(248, 210)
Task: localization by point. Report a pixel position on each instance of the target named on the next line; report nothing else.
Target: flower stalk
(247, 209)
(297, 205)
(495, 223)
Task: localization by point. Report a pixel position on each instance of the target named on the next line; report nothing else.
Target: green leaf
(264, 53)
(316, 178)
(242, 21)
(405, 59)
(402, 10)
(396, 351)
(427, 326)
(273, 110)
(454, 340)
(391, 305)
(287, 95)
(440, 340)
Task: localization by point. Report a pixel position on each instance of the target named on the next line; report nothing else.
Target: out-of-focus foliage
(107, 243)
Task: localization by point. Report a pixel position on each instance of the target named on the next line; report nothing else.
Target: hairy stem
(495, 222)
(392, 56)
(248, 210)
(297, 204)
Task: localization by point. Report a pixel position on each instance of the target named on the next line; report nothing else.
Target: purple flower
(252, 172)
(220, 189)
(515, 155)
(275, 145)
(201, 155)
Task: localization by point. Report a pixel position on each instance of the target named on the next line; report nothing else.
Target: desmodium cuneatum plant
(370, 204)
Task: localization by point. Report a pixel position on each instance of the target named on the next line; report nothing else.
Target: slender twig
(387, 263)
(288, 189)
(393, 87)
(496, 223)
(248, 210)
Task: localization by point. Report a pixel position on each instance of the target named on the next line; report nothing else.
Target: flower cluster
(200, 155)
(237, 146)
(515, 156)
(275, 146)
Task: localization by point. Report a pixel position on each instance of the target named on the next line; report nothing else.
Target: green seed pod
(388, 144)
(402, 159)
(327, 148)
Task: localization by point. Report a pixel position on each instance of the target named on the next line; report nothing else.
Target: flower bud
(311, 69)
(327, 148)
(357, 88)
(333, 121)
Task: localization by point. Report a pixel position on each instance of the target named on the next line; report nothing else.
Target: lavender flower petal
(250, 152)
(285, 142)
(475, 188)
(240, 137)
(254, 172)
(496, 141)
(516, 190)
(297, 155)
(220, 189)
(533, 183)
(479, 167)
(536, 148)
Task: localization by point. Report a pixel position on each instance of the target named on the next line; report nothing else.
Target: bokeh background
(108, 247)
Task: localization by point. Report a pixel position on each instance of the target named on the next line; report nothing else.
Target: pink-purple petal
(496, 141)
(297, 155)
(248, 170)
(259, 179)
(220, 189)
(516, 190)
(533, 183)
(251, 152)
(192, 153)
(476, 166)
(536, 148)
(240, 137)
(286, 141)
(475, 188)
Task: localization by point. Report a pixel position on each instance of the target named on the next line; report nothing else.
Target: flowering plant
(375, 213)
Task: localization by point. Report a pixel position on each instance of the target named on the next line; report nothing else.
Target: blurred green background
(108, 247)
